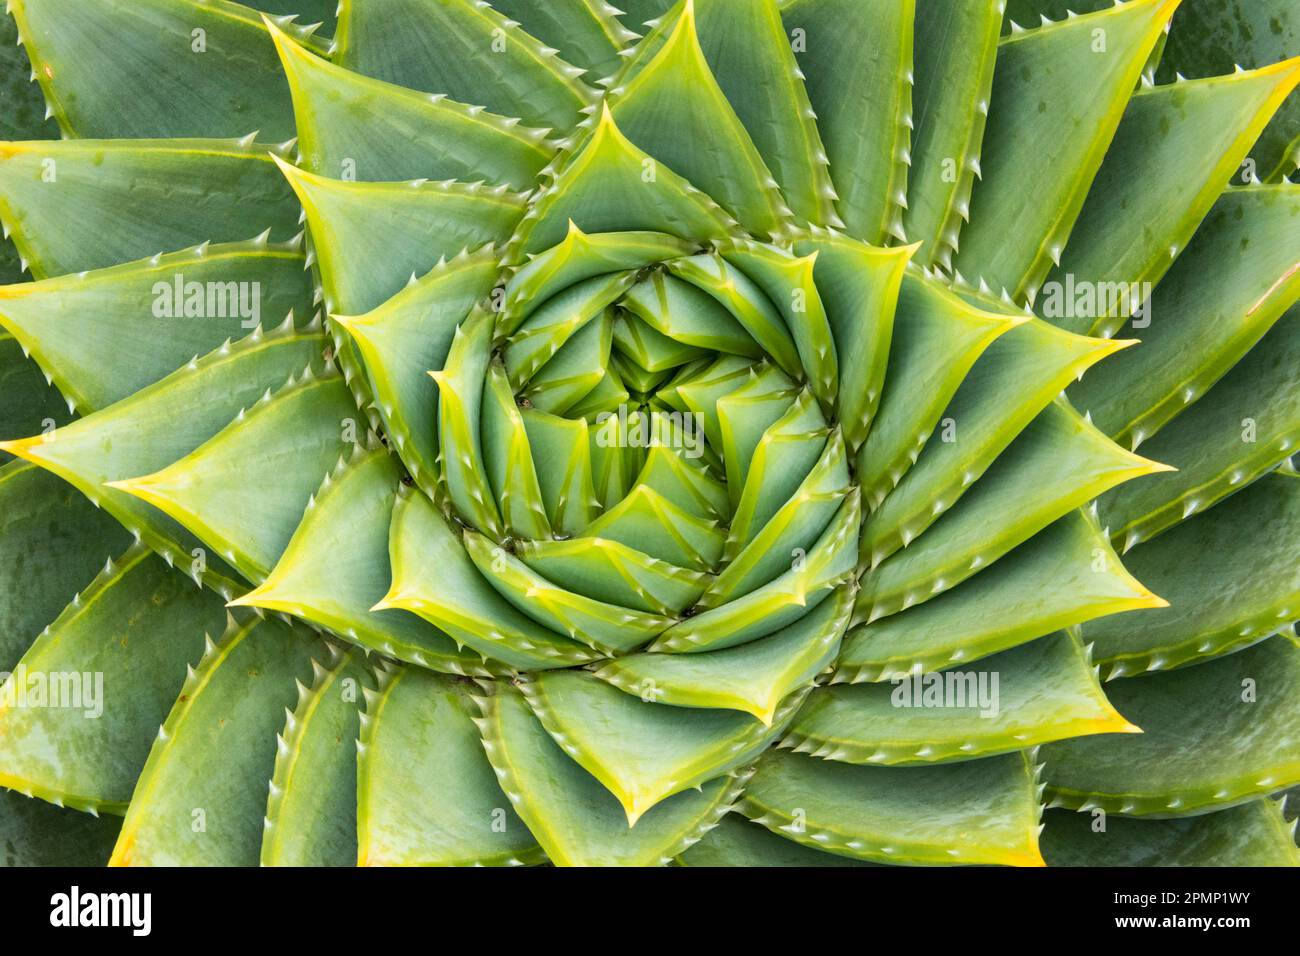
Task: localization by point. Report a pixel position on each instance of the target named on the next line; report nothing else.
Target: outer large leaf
(88, 204)
(108, 670)
(405, 338)
(1058, 96)
(1015, 379)
(1235, 280)
(311, 812)
(708, 143)
(1058, 463)
(1210, 37)
(1253, 834)
(152, 316)
(243, 492)
(418, 736)
(983, 811)
(750, 54)
(1041, 691)
(1065, 574)
(1174, 153)
(575, 819)
(1246, 424)
(201, 797)
(862, 95)
(955, 50)
(351, 126)
(32, 404)
(164, 422)
(193, 69)
(52, 541)
(1212, 736)
(465, 49)
(36, 833)
(1229, 574)
(736, 842)
(372, 238)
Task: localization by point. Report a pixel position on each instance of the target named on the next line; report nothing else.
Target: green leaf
(84, 204)
(708, 142)
(460, 403)
(1059, 93)
(1211, 37)
(73, 733)
(610, 185)
(1065, 574)
(977, 812)
(535, 342)
(608, 628)
(434, 577)
(201, 798)
(53, 542)
(746, 302)
(1041, 691)
(162, 423)
(194, 69)
(1058, 463)
(587, 33)
(574, 817)
(372, 238)
(354, 127)
(243, 492)
(936, 340)
(311, 813)
(636, 13)
(23, 116)
(575, 370)
(1225, 588)
(576, 258)
(643, 751)
(646, 520)
(406, 337)
(562, 455)
(418, 736)
(153, 315)
(509, 459)
(35, 833)
(1174, 153)
(749, 53)
(335, 568)
(754, 678)
(1213, 736)
(1253, 834)
(862, 96)
(1017, 377)
(736, 842)
(788, 281)
(614, 572)
(465, 49)
(1236, 279)
(32, 404)
(860, 287)
(1248, 422)
(678, 310)
(809, 581)
(956, 47)
(791, 530)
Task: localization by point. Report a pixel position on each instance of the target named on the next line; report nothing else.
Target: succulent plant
(701, 433)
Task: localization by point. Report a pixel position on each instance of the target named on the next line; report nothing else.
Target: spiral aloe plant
(701, 433)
